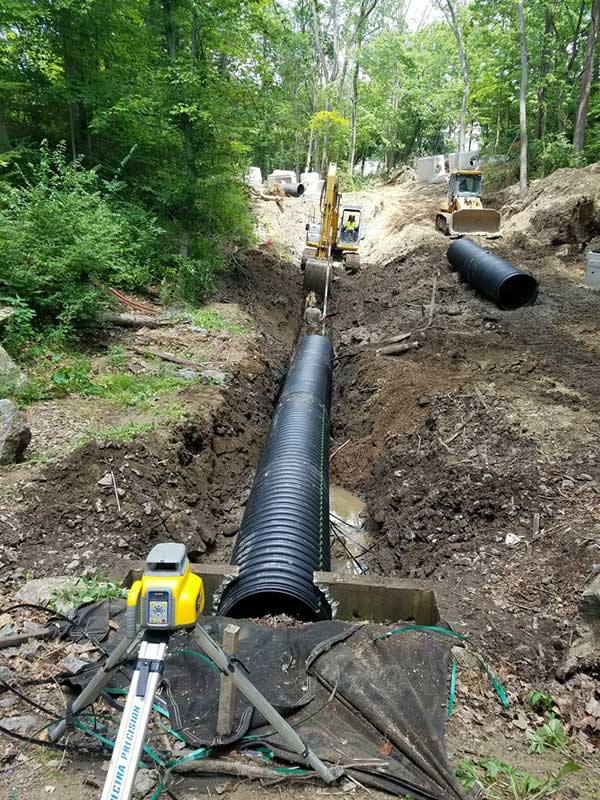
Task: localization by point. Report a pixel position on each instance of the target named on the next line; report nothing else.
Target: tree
(523, 102)
(449, 9)
(586, 79)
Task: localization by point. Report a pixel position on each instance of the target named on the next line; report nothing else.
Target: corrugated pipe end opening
(273, 603)
(517, 291)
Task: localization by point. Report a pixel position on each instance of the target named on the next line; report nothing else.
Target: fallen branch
(183, 362)
(207, 765)
(337, 449)
(263, 196)
(136, 305)
(136, 321)
(431, 305)
(356, 349)
(397, 349)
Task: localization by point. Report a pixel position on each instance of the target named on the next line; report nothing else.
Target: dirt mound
(562, 208)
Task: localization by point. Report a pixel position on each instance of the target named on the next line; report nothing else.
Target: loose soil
(476, 453)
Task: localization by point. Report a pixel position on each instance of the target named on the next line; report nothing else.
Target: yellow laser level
(168, 595)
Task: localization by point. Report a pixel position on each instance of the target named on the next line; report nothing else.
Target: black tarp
(351, 696)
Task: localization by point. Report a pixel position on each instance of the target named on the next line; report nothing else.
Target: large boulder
(15, 434)
(11, 377)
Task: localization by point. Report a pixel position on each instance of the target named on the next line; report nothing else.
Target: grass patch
(120, 433)
(55, 375)
(211, 320)
(125, 389)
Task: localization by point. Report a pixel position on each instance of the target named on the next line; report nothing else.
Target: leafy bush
(64, 237)
(554, 153)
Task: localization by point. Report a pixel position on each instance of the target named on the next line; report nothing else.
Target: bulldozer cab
(349, 227)
(464, 184)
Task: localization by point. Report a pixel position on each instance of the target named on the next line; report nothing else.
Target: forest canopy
(136, 120)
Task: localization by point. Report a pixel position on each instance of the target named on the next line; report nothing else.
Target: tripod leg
(247, 688)
(92, 691)
(134, 722)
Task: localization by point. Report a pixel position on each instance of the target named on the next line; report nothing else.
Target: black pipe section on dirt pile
(293, 189)
(284, 535)
(498, 280)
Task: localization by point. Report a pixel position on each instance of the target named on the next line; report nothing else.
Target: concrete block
(592, 276)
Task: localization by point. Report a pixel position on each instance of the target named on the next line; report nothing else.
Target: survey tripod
(167, 598)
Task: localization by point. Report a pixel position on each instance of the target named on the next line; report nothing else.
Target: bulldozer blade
(485, 221)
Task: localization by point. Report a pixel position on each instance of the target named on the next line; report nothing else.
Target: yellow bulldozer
(463, 212)
(335, 236)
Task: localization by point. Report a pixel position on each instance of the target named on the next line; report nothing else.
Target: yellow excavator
(335, 236)
(463, 212)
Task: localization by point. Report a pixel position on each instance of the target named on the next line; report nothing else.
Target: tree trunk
(454, 23)
(540, 118)
(4, 137)
(586, 80)
(523, 102)
(352, 152)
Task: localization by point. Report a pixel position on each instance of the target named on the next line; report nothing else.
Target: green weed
(125, 389)
(539, 701)
(87, 590)
(493, 774)
(550, 734)
(120, 433)
(210, 319)
(115, 357)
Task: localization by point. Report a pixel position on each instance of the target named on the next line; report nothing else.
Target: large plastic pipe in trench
(284, 535)
(496, 278)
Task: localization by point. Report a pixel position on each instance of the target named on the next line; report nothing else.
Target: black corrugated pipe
(284, 536)
(293, 189)
(498, 280)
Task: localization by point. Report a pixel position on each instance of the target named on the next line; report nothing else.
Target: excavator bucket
(484, 221)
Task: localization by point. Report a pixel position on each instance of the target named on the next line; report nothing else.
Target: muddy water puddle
(349, 538)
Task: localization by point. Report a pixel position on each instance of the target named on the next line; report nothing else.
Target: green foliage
(210, 319)
(87, 590)
(62, 243)
(550, 734)
(124, 433)
(494, 773)
(539, 701)
(331, 130)
(552, 154)
(128, 390)
(57, 374)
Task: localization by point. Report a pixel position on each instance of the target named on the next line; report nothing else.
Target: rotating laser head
(168, 595)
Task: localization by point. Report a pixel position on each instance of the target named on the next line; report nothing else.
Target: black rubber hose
(496, 278)
(284, 535)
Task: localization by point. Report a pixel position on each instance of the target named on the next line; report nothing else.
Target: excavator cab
(464, 212)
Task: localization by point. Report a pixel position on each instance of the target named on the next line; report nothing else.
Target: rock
(589, 602)
(25, 724)
(187, 374)
(15, 434)
(145, 780)
(71, 665)
(214, 376)
(106, 481)
(11, 377)
(41, 590)
(452, 310)
(5, 673)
